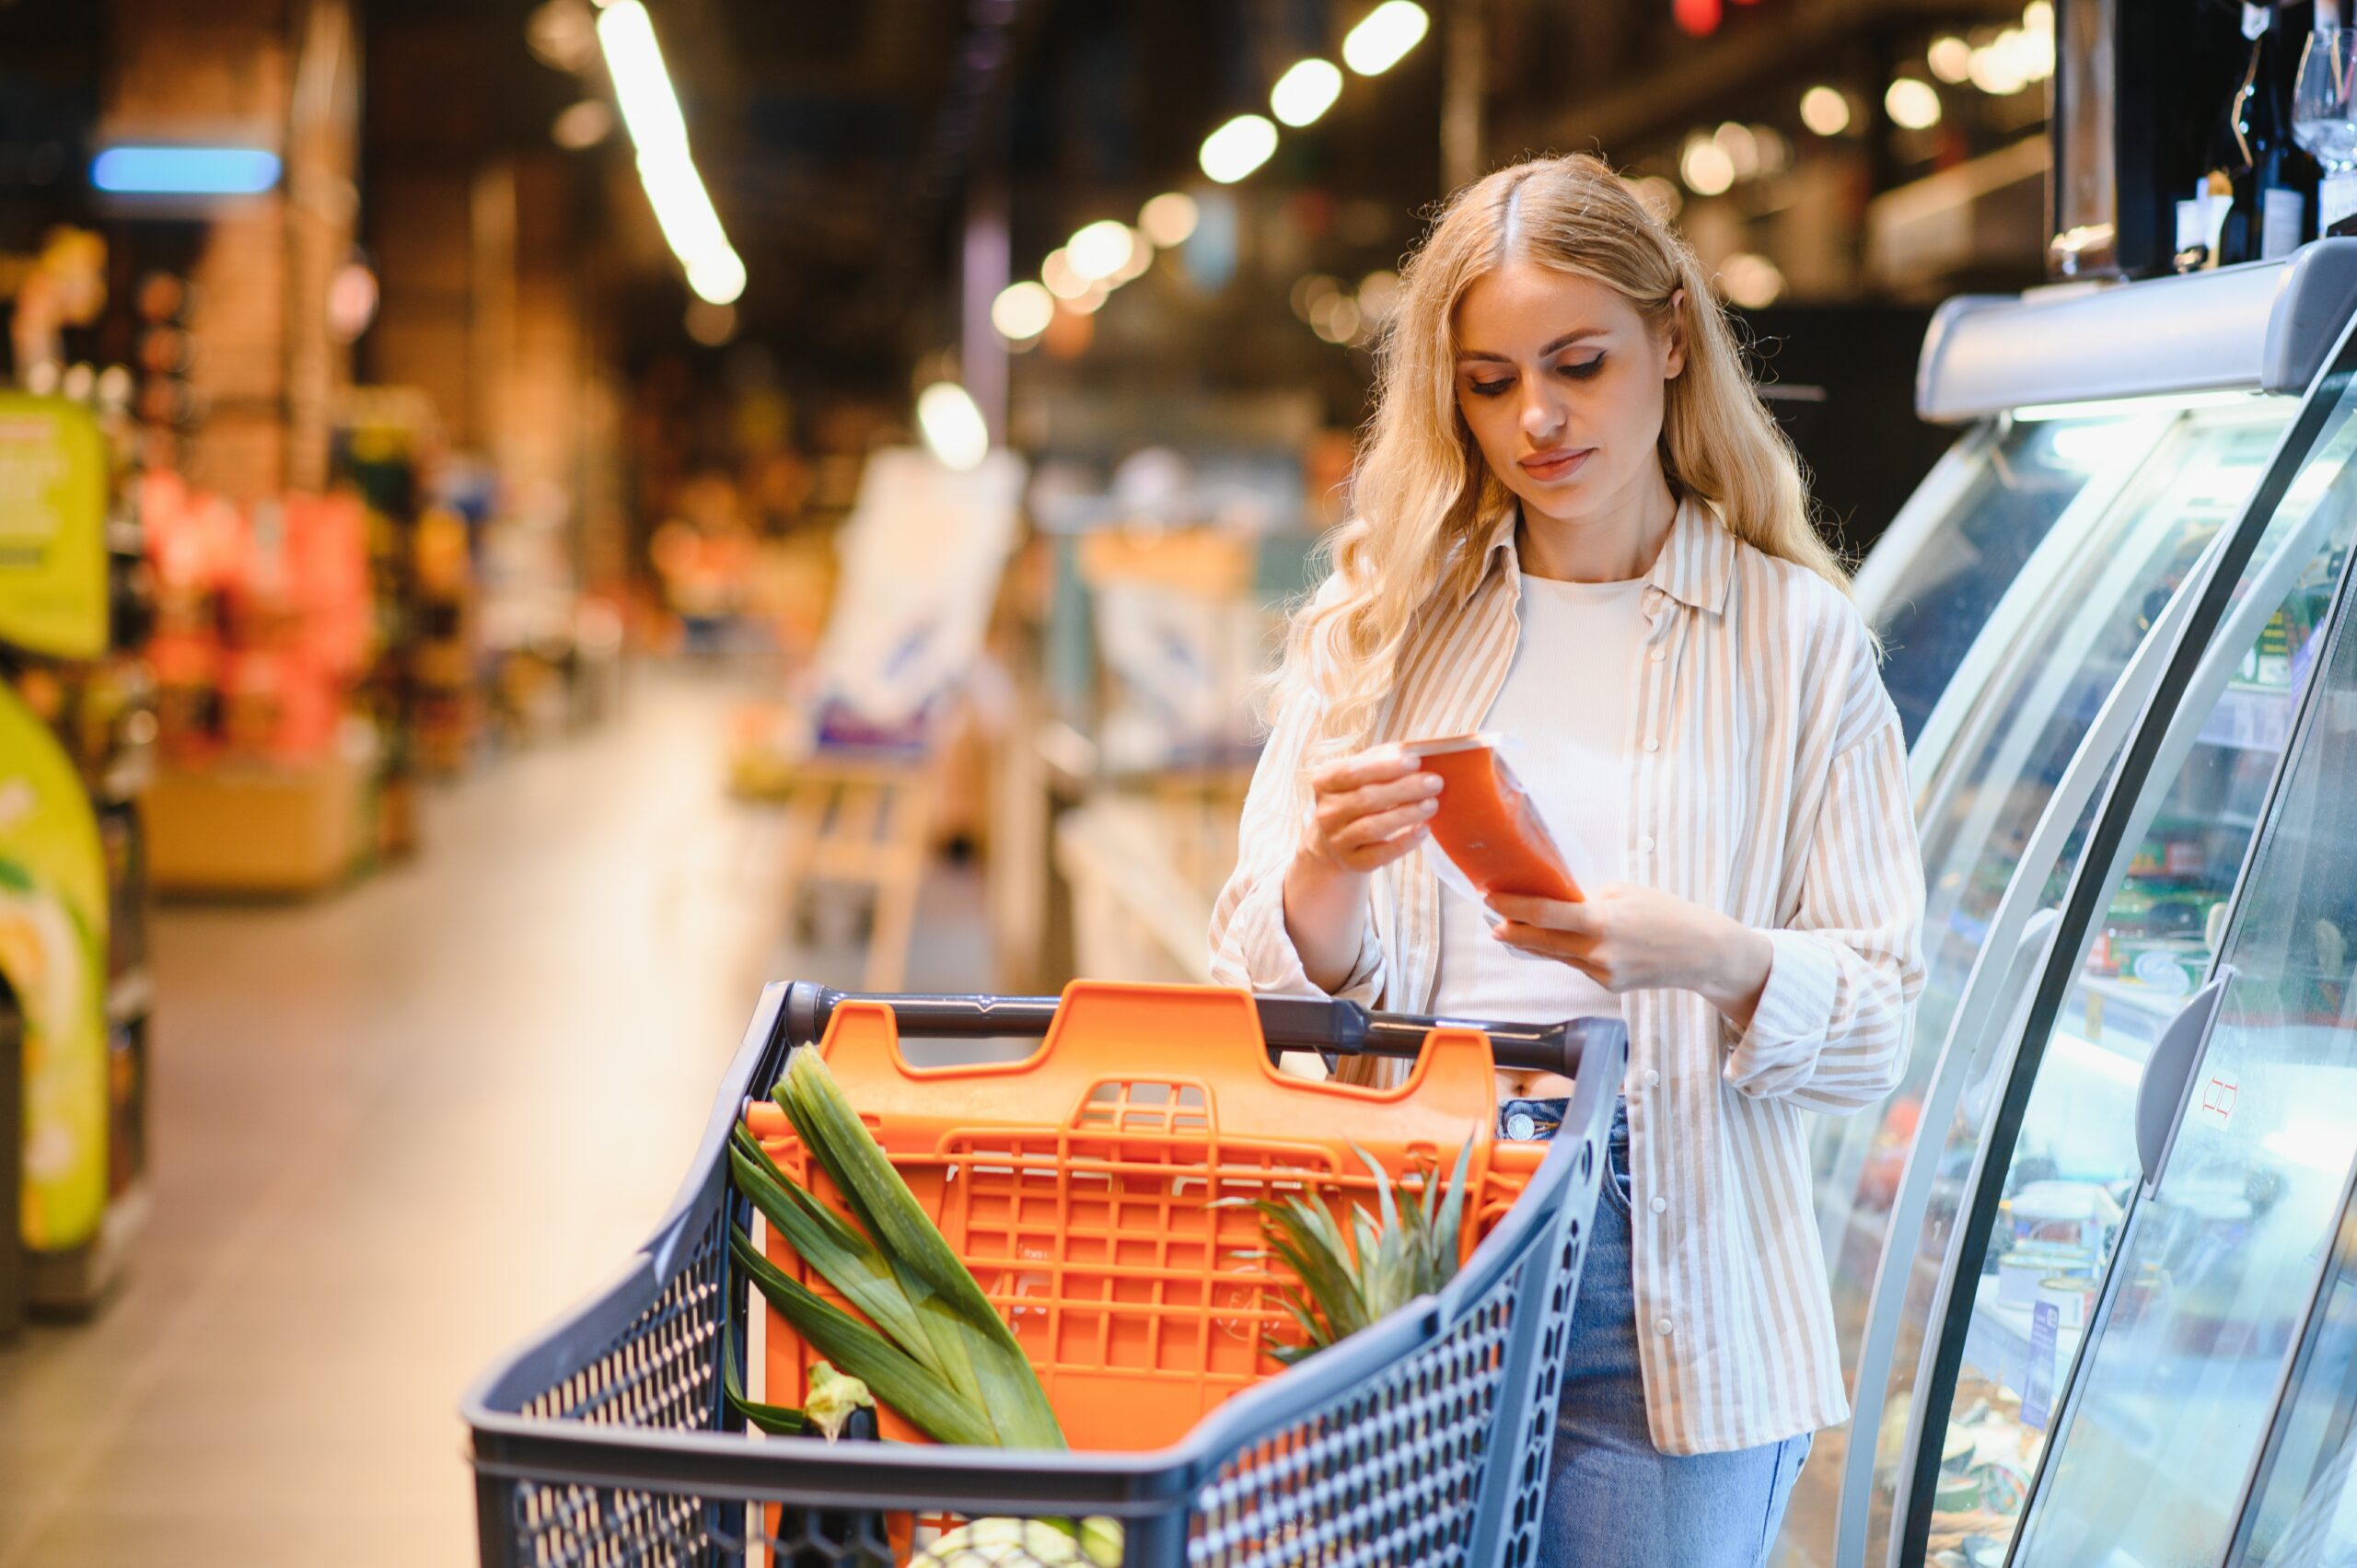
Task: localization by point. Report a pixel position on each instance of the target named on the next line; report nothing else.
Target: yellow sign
(52, 527)
(53, 957)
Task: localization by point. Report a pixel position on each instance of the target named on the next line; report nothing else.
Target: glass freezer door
(1957, 551)
(2050, 1168)
(2069, 632)
(2219, 1265)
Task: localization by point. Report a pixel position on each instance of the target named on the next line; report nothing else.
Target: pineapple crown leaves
(1349, 1277)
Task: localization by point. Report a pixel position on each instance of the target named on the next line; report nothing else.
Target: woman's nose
(1541, 419)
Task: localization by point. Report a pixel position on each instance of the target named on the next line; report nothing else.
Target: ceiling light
(2035, 50)
(1336, 319)
(952, 427)
(1306, 92)
(1998, 68)
(1950, 60)
(1056, 272)
(1141, 258)
(1312, 292)
(1707, 170)
(1168, 219)
(1238, 147)
(1023, 311)
(1825, 111)
(1742, 148)
(562, 35)
(1100, 249)
(584, 124)
(711, 325)
(185, 171)
(1912, 103)
(683, 208)
(1660, 197)
(1384, 35)
(1749, 280)
(641, 84)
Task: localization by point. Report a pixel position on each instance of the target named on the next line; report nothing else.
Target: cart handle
(1323, 1024)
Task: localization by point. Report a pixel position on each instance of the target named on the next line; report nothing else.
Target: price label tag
(2038, 1382)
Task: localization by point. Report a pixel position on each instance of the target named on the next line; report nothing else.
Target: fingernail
(1429, 807)
(1428, 782)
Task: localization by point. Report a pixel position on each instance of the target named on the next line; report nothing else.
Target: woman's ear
(1675, 361)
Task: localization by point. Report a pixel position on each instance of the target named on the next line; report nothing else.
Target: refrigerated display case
(2029, 599)
(2111, 1241)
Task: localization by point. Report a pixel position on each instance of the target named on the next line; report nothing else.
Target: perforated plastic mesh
(664, 1369)
(1386, 1475)
(1520, 1540)
(577, 1526)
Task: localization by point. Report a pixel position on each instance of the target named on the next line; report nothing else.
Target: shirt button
(1657, 656)
(1652, 1077)
(1653, 743)
(1661, 1325)
(1661, 1205)
(1645, 843)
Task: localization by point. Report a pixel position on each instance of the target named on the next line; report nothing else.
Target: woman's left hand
(1631, 938)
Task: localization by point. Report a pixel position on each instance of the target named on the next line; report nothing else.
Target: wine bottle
(2284, 178)
(2256, 169)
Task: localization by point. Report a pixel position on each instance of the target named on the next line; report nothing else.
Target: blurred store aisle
(397, 1129)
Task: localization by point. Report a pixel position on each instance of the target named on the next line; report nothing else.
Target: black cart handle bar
(1288, 1022)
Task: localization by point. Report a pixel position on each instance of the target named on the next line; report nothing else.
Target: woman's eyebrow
(1575, 335)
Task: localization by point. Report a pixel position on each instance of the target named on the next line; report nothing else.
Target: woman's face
(1561, 383)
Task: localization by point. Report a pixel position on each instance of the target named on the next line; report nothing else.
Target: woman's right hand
(1364, 812)
(1368, 809)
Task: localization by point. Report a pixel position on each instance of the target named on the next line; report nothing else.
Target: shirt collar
(1695, 567)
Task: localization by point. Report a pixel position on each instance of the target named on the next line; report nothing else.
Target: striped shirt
(1768, 780)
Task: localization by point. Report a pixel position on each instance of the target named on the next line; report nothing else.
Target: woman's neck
(1615, 543)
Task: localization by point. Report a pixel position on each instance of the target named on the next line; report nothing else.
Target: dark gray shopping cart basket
(1424, 1440)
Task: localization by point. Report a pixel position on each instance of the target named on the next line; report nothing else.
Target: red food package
(1486, 825)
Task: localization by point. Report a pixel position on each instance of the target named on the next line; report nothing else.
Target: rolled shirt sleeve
(1833, 1025)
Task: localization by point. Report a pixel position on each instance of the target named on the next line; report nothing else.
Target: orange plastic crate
(1078, 1185)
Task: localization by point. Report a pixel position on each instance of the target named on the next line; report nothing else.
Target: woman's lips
(1561, 464)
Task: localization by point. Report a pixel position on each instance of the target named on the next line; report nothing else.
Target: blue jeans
(1613, 1500)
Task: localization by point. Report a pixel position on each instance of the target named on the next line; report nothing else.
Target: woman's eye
(1488, 388)
(1583, 369)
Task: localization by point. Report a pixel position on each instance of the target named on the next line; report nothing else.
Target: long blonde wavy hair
(1423, 500)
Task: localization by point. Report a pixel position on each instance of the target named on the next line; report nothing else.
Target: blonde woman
(1577, 526)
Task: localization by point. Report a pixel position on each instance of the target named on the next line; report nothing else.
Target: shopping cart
(1423, 1440)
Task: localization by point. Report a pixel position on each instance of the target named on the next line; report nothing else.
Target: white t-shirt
(1563, 717)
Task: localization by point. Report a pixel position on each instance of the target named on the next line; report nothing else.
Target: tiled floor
(396, 1131)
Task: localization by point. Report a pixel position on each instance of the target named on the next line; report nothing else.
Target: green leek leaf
(896, 1378)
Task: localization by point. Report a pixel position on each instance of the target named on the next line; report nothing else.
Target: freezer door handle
(2168, 1077)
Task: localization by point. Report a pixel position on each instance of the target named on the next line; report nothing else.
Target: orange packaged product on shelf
(1487, 826)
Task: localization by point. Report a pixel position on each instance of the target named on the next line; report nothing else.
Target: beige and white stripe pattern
(1768, 780)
